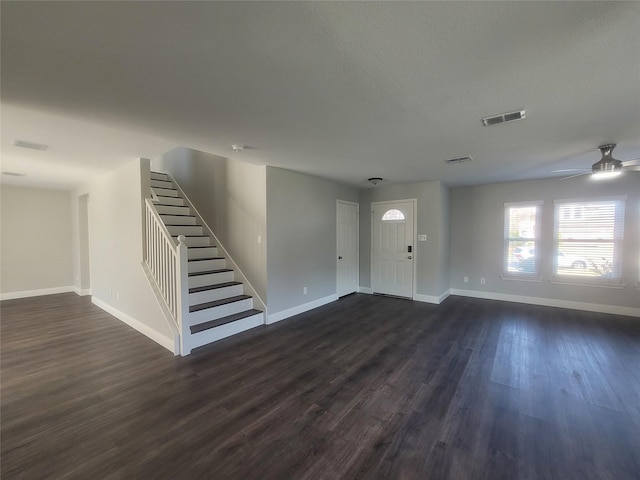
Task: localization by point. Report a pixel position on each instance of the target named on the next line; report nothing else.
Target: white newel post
(183, 297)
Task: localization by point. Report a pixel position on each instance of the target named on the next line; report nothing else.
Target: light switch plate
(422, 238)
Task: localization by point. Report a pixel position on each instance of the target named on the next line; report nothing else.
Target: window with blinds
(588, 239)
(521, 233)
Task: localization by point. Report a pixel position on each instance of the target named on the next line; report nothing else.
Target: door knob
(340, 258)
(409, 257)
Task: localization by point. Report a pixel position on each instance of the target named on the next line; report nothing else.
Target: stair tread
(223, 321)
(204, 246)
(175, 214)
(221, 270)
(187, 235)
(213, 287)
(217, 303)
(205, 259)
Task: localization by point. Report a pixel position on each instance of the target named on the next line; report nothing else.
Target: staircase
(217, 305)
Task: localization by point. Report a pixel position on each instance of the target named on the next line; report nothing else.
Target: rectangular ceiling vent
(459, 160)
(13, 174)
(503, 117)
(31, 145)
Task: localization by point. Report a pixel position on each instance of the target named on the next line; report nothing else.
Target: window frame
(536, 239)
(617, 241)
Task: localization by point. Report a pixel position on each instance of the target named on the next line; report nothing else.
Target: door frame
(357, 205)
(414, 257)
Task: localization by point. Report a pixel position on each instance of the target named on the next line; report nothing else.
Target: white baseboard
(82, 292)
(365, 290)
(290, 312)
(166, 342)
(36, 293)
(550, 302)
(419, 297)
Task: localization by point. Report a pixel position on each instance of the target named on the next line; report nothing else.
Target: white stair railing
(168, 265)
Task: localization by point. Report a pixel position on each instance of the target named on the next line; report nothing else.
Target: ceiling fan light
(606, 168)
(602, 175)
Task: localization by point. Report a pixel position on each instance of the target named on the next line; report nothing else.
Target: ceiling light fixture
(374, 180)
(237, 148)
(607, 166)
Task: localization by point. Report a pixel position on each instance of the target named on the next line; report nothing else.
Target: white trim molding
(171, 344)
(419, 297)
(82, 292)
(37, 293)
(298, 309)
(366, 290)
(550, 302)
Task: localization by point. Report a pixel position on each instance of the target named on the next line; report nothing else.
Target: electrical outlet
(259, 239)
(304, 290)
(110, 293)
(482, 280)
(466, 279)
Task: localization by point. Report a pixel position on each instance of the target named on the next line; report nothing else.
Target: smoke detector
(374, 180)
(237, 148)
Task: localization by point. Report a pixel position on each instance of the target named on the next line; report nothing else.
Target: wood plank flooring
(364, 388)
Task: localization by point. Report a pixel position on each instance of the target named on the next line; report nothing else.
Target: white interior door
(392, 249)
(347, 247)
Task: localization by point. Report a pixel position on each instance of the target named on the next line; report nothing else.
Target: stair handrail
(168, 264)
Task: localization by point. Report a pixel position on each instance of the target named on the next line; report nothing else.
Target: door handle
(340, 258)
(409, 257)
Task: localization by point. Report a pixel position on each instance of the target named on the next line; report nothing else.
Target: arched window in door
(393, 214)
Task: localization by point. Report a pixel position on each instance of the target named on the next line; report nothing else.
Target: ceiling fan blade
(562, 170)
(633, 167)
(576, 175)
(633, 161)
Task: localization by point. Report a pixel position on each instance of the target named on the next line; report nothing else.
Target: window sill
(613, 284)
(522, 277)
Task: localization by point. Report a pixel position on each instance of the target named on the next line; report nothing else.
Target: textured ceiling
(344, 90)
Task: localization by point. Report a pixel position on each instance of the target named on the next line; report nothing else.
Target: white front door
(347, 247)
(392, 249)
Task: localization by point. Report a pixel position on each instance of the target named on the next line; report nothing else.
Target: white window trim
(575, 280)
(524, 276)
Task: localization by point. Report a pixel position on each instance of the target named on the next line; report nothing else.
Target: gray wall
(36, 248)
(301, 213)
(477, 217)
(230, 195)
(432, 258)
(116, 231)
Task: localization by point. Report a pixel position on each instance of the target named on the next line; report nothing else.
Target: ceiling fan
(606, 167)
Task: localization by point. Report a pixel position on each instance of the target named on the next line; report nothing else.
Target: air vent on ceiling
(459, 160)
(13, 174)
(503, 117)
(31, 145)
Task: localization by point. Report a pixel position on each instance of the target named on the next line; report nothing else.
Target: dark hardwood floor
(363, 388)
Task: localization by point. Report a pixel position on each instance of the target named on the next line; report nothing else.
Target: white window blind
(521, 233)
(588, 239)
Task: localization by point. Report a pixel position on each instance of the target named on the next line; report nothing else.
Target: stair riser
(169, 210)
(159, 176)
(172, 201)
(204, 265)
(213, 295)
(221, 311)
(195, 241)
(175, 230)
(177, 220)
(210, 279)
(224, 331)
(161, 184)
(165, 192)
(196, 253)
